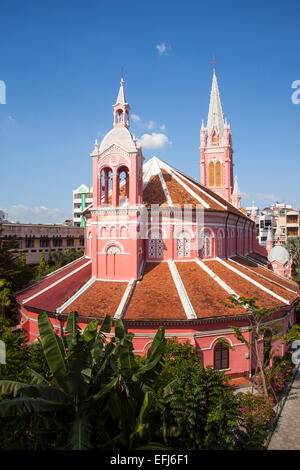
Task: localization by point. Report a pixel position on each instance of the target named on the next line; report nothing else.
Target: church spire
(278, 234)
(269, 243)
(215, 120)
(121, 108)
(236, 195)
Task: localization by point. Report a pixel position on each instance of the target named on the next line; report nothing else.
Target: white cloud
(163, 127)
(153, 141)
(162, 48)
(150, 125)
(36, 215)
(266, 197)
(135, 117)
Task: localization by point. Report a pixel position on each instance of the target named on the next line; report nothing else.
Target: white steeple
(215, 118)
(269, 237)
(121, 108)
(236, 191)
(121, 95)
(278, 234)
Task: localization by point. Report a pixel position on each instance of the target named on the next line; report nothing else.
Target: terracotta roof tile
(263, 271)
(204, 293)
(214, 195)
(243, 287)
(100, 299)
(209, 200)
(154, 193)
(178, 194)
(264, 282)
(155, 297)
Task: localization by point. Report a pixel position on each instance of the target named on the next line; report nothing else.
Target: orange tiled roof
(242, 287)
(179, 189)
(100, 299)
(178, 291)
(204, 293)
(155, 297)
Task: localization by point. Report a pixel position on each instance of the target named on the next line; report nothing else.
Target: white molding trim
(112, 242)
(190, 191)
(56, 282)
(119, 312)
(76, 295)
(164, 186)
(186, 303)
(249, 279)
(200, 189)
(216, 278)
(263, 277)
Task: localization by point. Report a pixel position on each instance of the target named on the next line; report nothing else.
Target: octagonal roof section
(118, 135)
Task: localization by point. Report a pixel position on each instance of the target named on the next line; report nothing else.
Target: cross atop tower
(214, 64)
(121, 108)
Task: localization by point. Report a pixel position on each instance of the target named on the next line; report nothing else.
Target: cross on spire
(214, 64)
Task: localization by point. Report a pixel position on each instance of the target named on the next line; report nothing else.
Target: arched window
(120, 116)
(221, 356)
(211, 174)
(122, 185)
(156, 245)
(218, 174)
(113, 250)
(105, 185)
(220, 244)
(206, 244)
(183, 245)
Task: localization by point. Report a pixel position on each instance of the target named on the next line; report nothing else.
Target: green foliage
(57, 259)
(15, 353)
(291, 335)
(89, 390)
(97, 392)
(177, 356)
(257, 316)
(12, 268)
(5, 296)
(293, 247)
(257, 416)
(199, 410)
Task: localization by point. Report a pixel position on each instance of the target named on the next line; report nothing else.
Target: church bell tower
(216, 165)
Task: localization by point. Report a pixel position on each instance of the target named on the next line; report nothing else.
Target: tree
(98, 394)
(5, 296)
(198, 409)
(12, 268)
(293, 247)
(257, 317)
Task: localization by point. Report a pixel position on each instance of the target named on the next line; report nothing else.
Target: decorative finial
(214, 64)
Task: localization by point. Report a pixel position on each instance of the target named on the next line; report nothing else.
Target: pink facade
(164, 249)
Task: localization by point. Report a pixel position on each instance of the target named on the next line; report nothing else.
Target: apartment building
(35, 239)
(82, 198)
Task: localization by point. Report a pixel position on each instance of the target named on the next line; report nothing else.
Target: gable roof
(167, 186)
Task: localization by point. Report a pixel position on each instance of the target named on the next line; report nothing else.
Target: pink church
(164, 249)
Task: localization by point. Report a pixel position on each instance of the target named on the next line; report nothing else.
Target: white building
(82, 197)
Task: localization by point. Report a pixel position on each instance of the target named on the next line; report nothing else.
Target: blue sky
(61, 62)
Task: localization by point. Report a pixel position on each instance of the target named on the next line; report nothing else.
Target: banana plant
(97, 386)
